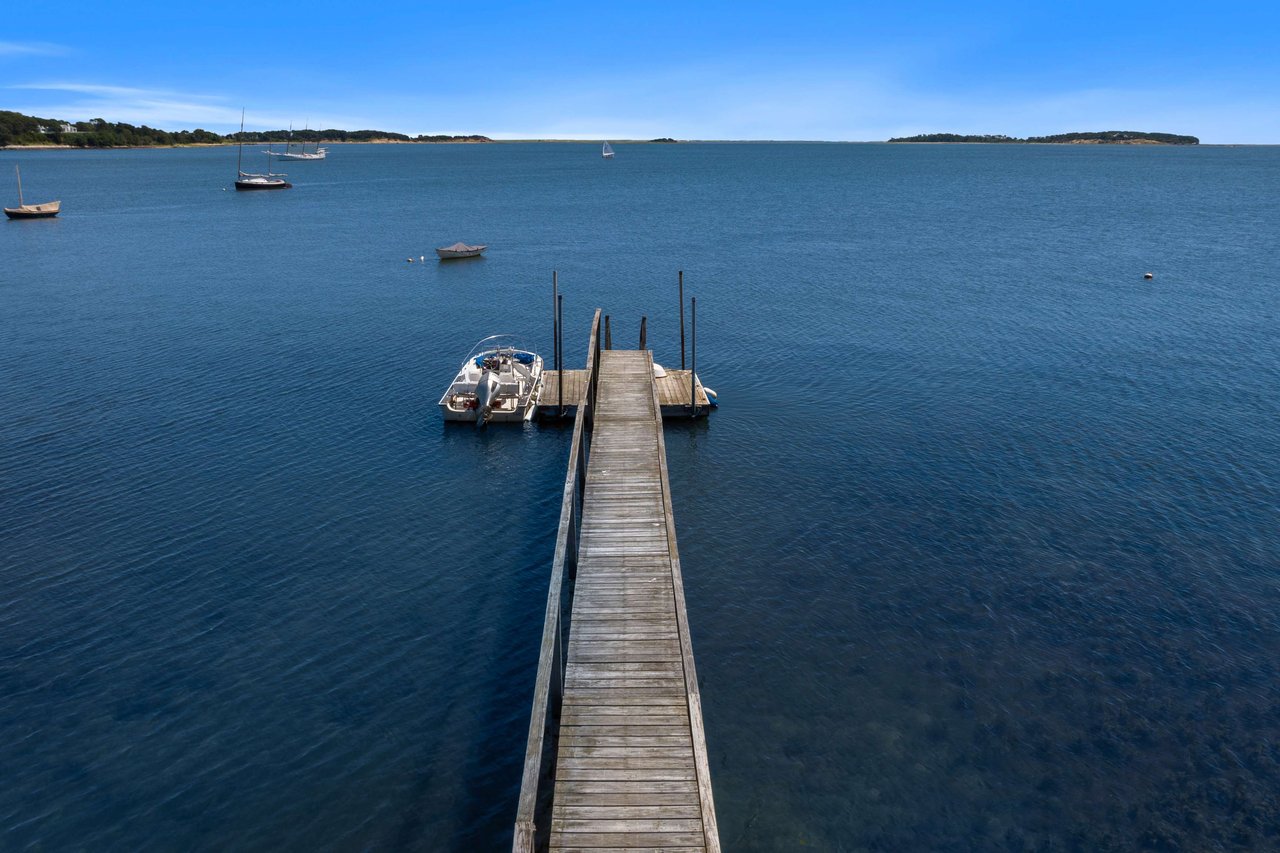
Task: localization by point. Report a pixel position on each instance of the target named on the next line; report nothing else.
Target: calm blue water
(980, 550)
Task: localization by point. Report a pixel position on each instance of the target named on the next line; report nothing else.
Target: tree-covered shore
(1104, 137)
(17, 129)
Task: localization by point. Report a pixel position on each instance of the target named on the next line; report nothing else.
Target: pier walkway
(616, 756)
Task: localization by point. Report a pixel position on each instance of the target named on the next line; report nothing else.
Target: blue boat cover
(519, 355)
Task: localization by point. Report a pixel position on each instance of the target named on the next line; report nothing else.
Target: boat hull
(34, 211)
(263, 185)
(496, 416)
(446, 255)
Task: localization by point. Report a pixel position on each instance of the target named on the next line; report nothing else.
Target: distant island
(17, 129)
(662, 139)
(1105, 137)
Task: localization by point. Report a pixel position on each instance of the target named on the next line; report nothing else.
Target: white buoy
(410, 260)
(1148, 275)
(422, 258)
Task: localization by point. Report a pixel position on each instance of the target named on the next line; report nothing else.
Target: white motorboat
(498, 382)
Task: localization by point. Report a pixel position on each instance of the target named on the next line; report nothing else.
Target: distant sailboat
(248, 181)
(31, 211)
(607, 151)
(302, 153)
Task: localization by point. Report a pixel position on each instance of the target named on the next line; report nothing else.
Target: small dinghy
(460, 250)
(498, 382)
(31, 211)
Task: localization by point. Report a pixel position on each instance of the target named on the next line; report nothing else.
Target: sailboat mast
(19, 173)
(240, 156)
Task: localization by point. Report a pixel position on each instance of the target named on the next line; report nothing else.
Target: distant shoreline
(49, 147)
(1088, 137)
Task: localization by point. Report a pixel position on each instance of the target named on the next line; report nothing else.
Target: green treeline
(1096, 137)
(19, 129)
(334, 135)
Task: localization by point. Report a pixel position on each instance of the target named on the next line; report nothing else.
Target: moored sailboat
(31, 211)
(251, 181)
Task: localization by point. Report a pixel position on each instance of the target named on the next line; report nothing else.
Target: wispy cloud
(867, 104)
(32, 48)
(164, 108)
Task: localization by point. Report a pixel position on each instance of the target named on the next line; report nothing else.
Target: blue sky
(744, 70)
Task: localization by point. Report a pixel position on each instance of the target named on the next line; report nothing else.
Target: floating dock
(616, 754)
(673, 392)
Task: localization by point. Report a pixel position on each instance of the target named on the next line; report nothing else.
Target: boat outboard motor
(486, 396)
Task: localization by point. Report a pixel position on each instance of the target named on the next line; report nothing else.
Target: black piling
(693, 355)
(682, 319)
(560, 357)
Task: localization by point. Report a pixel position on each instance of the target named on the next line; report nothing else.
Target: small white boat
(460, 250)
(498, 382)
(607, 151)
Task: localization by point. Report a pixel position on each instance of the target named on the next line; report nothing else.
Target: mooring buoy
(1148, 276)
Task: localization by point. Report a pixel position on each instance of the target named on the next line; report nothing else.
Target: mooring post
(643, 322)
(682, 319)
(560, 357)
(608, 336)
(693, 355)
(555, 319)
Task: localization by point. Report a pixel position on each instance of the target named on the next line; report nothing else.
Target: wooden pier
(616, 754)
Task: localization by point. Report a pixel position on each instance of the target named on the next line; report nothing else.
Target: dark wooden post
(682, 319)
(560, 357)
(608, 336)
(693, 355)
(643, 322)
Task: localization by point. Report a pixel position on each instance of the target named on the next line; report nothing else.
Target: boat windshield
(501, 344)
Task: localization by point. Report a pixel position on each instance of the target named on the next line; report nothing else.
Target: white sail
(607, 151)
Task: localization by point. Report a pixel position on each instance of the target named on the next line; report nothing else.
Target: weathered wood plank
(616, 698)
(635, 755)
(595, 840)
(617, 774)
(599, 708)
(646, 787)
(632, 811)
(613, 765)
(633, 825)
(568, 738)
(631, 725)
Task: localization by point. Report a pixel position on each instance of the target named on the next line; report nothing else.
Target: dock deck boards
(673, 389)
(631, 767)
